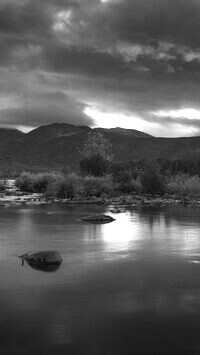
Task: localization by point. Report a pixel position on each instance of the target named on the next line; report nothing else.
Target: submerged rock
(98, 218)
(42, 258)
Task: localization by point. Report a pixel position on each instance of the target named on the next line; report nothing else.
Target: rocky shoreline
(139, 200)
(12, 197)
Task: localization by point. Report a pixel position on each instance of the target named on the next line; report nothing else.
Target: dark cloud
(153, 20)
(49, 107)
(125, 56)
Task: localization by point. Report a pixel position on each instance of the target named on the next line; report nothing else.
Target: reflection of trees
(95, 231)
(168, 214)
(151, 216)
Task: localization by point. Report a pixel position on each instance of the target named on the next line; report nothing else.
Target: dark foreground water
(128, 287)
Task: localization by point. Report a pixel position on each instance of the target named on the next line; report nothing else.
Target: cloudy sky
(108, 63)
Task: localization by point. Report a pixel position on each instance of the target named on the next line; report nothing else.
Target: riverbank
(139, 200)
(12, 197)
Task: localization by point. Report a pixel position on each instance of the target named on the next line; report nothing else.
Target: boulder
(42, 258)
(98, 218)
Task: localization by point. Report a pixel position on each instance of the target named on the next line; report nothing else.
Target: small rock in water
(116, 210)
(42, 258)
(98, 218)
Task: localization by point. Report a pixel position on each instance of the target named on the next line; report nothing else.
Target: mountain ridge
(59, 144)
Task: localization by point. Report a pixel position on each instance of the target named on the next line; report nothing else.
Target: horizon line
(27, 129)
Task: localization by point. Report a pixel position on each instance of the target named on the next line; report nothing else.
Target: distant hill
(118, 131)
(55, 145)
(55, 130)
(7, 135)
(7, 138)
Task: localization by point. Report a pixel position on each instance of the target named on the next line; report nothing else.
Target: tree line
(99, 173)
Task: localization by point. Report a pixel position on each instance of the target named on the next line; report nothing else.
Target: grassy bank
(73, 185)
(55, 185)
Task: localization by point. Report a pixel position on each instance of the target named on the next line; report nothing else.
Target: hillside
(122, 132)
(55, 145)
(8, 136)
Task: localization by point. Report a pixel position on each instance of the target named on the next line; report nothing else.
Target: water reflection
(120, 236)
(45, 268)
(155, 232)
(128, 287)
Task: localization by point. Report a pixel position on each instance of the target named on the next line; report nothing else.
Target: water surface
(127, 287)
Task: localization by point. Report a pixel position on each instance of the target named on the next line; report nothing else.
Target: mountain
(123, 132)
(59, 144)
(55, 130)
(8, 135)
(56, 145)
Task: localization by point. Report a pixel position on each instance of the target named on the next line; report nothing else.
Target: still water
(128, 287)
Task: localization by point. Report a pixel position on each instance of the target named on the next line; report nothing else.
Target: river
(128, 287)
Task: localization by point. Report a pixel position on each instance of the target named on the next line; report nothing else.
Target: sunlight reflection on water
(120, 237)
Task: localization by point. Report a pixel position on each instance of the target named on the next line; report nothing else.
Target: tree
(151, 179)
(97, 155)
(97, 144)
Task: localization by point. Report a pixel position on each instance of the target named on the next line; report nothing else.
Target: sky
(101, 63)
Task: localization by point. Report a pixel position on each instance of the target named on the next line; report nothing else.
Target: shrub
(40, 182)
(64, 187)
(97, 186)
(25, 182)
(2, 185)
(95, 165)
(134, 185)
(151, 180)
(123, 180)
(184, 184)
(28, 182)
(65, 190)
(123, 176)
(121, 172)
(137, 185)
(53, 188)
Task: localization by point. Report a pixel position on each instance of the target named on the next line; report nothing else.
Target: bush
(123, 177)
(2, 185)
(94, 165)
(53, 187)
(151, 180)
(65, 190)
(64, 187)
(40, 182)
(97, 186)
(129, 187)
(184, 184)
(25, 182)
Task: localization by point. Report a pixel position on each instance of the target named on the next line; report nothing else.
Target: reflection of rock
(98, 218)
(45, 267)
(47, 260)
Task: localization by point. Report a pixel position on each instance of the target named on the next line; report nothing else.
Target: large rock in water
(98, 218)
(42, 258)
